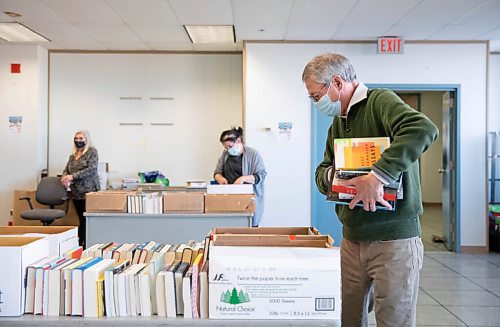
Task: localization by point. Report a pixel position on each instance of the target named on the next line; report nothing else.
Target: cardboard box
(270, 236)
(193, 202)
(230, 189)
(266, 230)
(106, 201)
(274, 283)
(17, 254)
(60, 238)
(71, 219)
(229, 203)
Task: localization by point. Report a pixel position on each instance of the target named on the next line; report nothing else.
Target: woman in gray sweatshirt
(240, 164)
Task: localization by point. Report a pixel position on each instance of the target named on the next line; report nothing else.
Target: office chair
(49, 192)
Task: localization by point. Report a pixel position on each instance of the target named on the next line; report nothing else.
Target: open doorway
(439, 168)
(436, 233)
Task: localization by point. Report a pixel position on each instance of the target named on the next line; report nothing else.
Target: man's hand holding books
(369, 191)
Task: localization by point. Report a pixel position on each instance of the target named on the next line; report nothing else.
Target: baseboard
(474, 249)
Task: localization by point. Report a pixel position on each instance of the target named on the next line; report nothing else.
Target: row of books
(121, 280)
(148, 203)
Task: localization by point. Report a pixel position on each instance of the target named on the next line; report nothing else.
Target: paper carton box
(193, 202)
(106, 201)
(230, 189)
(266, 230)
(274, 283)
(17, 254)
(229, 203)
(61, 238)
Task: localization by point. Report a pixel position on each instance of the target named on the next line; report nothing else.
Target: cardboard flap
(266, 230)
(320, 241)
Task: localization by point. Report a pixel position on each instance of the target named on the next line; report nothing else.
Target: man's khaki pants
(392, 268)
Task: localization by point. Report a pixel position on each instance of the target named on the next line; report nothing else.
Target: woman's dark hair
(231, 135)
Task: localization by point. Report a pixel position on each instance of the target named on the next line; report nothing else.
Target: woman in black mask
(80, 175)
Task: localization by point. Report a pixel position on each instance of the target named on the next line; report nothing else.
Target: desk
(166, 228)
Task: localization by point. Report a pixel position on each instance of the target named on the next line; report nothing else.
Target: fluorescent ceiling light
(211, 33)
(15, 32)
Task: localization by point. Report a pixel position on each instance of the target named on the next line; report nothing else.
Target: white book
(160, 294)
(110, 279)
(145, 293)
(131, 289)
(67, 283)
(121, 294)
(170, 294)
(154, 267)
(186, 294)
(90, 278)
(56, 289)
(45, 292)
(30, 283)
(41, 280)
(77, 286)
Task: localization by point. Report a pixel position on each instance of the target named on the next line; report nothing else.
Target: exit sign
(390, 44)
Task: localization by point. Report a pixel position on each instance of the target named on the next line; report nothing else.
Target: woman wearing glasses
(80, 175)
(240, 164)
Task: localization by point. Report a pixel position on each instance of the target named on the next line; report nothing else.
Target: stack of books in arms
(114, 279)
(354, 157)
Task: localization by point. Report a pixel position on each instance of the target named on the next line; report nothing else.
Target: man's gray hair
(323, 67)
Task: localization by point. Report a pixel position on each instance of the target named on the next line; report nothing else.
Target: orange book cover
(359, 152)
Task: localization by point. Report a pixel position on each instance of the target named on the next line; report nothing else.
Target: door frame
(455, 154)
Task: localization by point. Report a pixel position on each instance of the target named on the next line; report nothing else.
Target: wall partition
(145, 111)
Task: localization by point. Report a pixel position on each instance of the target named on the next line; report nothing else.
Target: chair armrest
(27, 198)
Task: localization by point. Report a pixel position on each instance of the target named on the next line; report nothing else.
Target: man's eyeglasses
(317, 96)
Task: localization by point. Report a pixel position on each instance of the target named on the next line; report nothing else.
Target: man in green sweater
(381, 249)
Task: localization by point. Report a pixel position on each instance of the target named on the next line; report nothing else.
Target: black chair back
(51, 192)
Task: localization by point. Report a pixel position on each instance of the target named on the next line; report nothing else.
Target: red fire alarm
(15, 68)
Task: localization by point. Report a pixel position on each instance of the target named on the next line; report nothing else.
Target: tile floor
(458, 290)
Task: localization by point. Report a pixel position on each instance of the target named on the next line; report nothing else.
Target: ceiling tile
(260, 32)
(154, 12)
(110, 33)
(62, 32)
(261, 12)
(319, 12)
(301, 32)
(369, 12)
(459, 32)
(440, 12)
(202, 12)
(490, 35)
(85, 11)
(30, 11)
(161, 33)
(487, 15)
(361, 32)
(414, 32)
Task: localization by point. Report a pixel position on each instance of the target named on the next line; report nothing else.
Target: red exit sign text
(390, 44)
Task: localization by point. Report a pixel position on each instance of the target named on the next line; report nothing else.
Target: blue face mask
(325, 106)
(234, 150)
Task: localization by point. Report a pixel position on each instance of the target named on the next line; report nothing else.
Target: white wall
(85, 91)
(22, 156)
(275, 92)
(493, 93)
(431, 104)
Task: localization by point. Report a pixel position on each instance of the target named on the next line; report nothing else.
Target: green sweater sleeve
(411, 132)
(326, 165)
